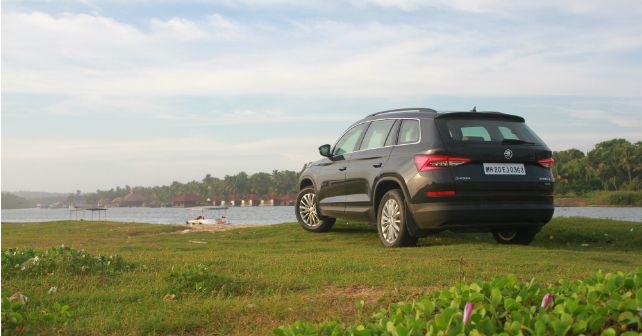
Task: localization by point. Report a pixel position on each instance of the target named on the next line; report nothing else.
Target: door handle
(377, 165)
(343, 168)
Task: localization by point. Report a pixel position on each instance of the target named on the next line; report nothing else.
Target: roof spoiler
(480, 115)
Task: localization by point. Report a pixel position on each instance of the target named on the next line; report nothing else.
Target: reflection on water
(257, 215)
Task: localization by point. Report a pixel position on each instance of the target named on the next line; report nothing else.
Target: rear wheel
(392, 222)
(307, 212)
(520, 237)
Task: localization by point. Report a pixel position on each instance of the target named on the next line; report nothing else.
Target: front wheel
(392, 221)
(307, 212)
(519, 237)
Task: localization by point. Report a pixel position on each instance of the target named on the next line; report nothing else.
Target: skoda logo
(508, 154)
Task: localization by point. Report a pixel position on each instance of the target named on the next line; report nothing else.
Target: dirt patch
(211, 228)
(570, 202)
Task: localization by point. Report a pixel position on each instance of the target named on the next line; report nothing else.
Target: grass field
(288, 274)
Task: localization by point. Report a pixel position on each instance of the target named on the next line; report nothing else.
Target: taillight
(434, 162)
(547, 163)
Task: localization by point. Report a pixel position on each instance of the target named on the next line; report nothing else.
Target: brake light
(440, 193)
(434, 162)
(548, 163)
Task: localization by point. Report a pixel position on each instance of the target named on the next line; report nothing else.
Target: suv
(417, 171)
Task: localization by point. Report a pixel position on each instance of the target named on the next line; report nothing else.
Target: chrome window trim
(369, 121)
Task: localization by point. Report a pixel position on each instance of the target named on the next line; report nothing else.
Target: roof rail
(407, 109)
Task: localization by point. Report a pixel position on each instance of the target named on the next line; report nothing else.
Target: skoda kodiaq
(417, 171)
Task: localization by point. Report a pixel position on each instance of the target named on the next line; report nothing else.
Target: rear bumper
(432, 217)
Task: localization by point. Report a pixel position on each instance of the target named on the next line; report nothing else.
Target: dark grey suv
(417, 171)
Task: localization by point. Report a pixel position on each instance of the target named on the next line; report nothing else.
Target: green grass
(288, 274)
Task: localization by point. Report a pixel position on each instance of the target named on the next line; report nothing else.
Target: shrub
(623, 198)
(199, 279)
(607, 304)
(27, 261)
(17, 319)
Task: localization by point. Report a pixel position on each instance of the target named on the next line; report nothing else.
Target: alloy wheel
(391, 221)
(308, 210)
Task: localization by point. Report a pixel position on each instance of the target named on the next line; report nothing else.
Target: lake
(258, 215)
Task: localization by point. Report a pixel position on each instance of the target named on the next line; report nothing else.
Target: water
(258, 215)
(625, 214)
(235, 215)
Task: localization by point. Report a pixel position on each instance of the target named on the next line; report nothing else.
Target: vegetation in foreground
(602, 305)
(251, 281)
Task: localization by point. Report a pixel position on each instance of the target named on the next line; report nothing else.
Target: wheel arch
(383, 185)
(305, 182)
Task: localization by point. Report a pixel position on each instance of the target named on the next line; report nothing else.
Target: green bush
(199, 279)
(17, 319)
(605, 304)
(626, 198)
(27, 261)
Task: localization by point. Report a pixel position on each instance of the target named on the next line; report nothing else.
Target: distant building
(287, 199)
(187, 200)
(103, 202)
(116, 201)
(132, 200)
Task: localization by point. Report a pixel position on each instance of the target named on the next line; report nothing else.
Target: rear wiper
(517, 141)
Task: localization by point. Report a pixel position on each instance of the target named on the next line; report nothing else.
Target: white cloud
(614, 118)
(177, 28)
(506, 7)
(93, 54)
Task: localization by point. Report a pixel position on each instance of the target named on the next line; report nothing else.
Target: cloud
(177, 28)
(614, 118)
(217, 55)
(86, 68)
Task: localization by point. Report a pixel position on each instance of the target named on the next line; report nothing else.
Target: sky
(98, 94)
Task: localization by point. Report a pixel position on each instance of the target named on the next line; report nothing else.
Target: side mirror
(325, 150)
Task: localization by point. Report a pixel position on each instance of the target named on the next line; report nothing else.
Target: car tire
(307, 212)
(392, 221)
(515, 237)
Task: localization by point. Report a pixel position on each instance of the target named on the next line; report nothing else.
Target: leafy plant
(27, 261)
(199, 279)
(607, 304)
(18, 319)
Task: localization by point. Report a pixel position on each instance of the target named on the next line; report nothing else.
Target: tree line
(237, 186)
(612, 165)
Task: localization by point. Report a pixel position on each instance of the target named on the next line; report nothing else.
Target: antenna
(474, 109)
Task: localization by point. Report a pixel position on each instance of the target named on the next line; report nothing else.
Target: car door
(332, 176)
(365, 166)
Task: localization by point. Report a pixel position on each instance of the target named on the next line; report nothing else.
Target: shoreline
(190, 228)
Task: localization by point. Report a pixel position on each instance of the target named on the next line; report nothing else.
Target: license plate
(504, 169)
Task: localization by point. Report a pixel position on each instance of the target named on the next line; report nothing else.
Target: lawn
(285, 273)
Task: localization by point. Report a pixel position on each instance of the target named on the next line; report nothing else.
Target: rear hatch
(495, 155)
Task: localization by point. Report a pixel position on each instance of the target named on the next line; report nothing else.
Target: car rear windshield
(486, 131)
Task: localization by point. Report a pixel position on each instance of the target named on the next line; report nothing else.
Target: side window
(376, 135)
(348, 142)
(409, 132)
(392, 137)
